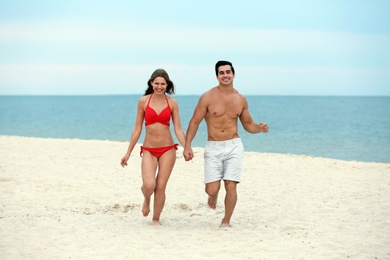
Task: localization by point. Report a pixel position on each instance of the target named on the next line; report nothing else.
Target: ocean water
(347, 128)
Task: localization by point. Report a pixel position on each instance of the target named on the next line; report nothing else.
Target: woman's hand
(124, 160)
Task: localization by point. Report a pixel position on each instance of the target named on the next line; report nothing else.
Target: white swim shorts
(223, 160)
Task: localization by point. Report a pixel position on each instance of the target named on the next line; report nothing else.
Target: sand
(70, 199)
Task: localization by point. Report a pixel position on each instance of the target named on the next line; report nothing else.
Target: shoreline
(70, 198)
(195, 147)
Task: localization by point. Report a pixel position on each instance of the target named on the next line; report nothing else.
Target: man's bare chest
(220, 109)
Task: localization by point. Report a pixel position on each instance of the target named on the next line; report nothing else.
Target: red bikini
(158, 151)
(151, 117)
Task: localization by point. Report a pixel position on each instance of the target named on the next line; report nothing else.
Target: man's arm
(248, 123)
(199, 113)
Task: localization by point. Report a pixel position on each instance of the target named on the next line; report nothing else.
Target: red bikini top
(151, 116)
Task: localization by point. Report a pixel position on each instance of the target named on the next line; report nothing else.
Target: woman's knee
(148, 187)
(161, 185)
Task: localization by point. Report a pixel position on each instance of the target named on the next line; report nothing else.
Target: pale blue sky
(280, 47)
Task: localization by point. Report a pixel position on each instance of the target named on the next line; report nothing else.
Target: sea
(340, 127)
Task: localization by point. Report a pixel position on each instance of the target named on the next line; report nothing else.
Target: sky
(279, 47)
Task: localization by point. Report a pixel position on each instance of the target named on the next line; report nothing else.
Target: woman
(158, 150)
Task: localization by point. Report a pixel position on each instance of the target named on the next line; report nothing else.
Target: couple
(221, 107)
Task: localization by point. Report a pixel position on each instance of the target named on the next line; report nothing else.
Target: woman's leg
(148, 168)
(165, 166)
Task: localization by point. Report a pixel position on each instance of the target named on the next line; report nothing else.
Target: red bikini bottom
(158, 151)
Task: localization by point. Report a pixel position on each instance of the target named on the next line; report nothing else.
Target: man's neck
(225, 88)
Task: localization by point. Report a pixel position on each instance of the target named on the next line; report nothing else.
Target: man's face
(225, 75)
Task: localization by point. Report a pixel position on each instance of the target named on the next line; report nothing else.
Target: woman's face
(159, 85)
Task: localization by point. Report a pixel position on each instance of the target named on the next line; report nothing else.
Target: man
(221, 106)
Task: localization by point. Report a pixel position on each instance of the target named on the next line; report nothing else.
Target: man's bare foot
(225, 225)
(146, 207)
(155, 222)
(212, 201)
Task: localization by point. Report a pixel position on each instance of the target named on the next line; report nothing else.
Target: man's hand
(263, 127)
(188, 154)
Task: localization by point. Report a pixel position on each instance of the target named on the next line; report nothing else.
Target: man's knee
(212, 188)
(230, 185)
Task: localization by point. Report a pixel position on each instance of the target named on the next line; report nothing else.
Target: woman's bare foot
(146, 207)
(212, 201)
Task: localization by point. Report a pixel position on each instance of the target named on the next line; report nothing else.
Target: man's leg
(230, 201)
(212, 190)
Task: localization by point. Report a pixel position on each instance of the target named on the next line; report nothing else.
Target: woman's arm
(176, 122)
(137, 130)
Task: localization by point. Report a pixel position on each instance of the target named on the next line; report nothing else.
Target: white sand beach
(70, 199)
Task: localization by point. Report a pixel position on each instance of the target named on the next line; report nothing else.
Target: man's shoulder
(209, 93)
(236, 92)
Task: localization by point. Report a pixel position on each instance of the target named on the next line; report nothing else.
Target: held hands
(188, 154)
(263, 127)
(124, 160)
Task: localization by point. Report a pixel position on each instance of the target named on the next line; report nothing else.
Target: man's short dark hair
(223, 63)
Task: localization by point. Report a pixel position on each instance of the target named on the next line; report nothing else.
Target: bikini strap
(167, 102)
(149, 99)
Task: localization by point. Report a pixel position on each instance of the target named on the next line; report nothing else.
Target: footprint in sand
(119, 208)
(183, 207)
